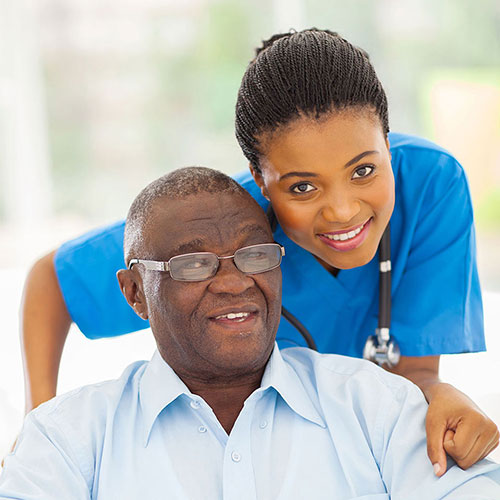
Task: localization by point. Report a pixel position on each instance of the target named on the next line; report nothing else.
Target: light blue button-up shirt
(319, 427)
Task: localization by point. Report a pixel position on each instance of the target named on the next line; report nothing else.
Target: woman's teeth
(240, 316)
(345, 236)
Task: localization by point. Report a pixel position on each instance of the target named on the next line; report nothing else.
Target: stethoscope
(380, 348)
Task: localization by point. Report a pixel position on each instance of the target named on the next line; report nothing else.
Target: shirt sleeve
(437, 306)
(86, 269)
(405, 466)
(42, 466)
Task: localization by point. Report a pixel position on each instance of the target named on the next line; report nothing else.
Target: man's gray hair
(178, 184)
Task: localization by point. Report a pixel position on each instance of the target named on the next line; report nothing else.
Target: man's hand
(455, 425)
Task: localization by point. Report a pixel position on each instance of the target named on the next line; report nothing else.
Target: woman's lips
(346, 240)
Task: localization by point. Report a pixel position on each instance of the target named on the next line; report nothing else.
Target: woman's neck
(332, 270)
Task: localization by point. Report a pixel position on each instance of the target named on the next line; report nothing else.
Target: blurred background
(99, 97)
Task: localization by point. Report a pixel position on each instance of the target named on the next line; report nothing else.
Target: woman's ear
(131, 286)
(259, 180)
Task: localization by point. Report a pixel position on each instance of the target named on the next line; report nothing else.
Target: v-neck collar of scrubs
(305, 274)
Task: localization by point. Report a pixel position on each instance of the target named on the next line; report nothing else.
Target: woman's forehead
(340, 137)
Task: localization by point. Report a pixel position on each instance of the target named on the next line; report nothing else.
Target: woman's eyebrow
(312, 174)
(297, 174)
(359, 157)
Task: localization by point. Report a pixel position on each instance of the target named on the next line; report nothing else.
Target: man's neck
(226, 398)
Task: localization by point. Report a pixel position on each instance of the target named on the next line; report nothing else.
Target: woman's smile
(343, 241)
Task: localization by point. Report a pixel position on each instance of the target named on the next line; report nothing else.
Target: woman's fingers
(472, 441)
(436, 430)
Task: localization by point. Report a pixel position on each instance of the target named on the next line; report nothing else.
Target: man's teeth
(345, 236)
(240, 316)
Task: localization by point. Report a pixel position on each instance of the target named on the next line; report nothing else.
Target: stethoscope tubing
(384, 304)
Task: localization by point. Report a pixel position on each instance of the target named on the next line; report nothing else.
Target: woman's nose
(341, 207)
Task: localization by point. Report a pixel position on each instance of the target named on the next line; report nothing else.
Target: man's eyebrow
(188, 247)
(253, 229)
(359, 157)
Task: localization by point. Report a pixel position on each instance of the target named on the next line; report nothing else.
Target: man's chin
(240, 355)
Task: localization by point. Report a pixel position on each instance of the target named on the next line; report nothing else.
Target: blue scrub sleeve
(437, 306)
(86, 269)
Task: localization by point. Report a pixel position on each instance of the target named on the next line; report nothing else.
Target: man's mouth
(236, 317)
(348, 239)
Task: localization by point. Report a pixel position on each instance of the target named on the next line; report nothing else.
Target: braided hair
(307, 73)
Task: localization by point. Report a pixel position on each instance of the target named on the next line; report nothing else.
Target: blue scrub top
(436, 297)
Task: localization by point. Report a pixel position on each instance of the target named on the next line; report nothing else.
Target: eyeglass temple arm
(151, 265)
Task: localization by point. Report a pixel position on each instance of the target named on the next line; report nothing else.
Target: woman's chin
(347, 260)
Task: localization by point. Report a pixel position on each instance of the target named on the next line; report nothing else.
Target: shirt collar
(160, 386)
(284, 379)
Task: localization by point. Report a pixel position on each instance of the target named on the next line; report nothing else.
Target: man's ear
(131, 287)
(259, 180)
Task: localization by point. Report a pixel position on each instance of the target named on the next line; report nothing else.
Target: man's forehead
(191, 223)
(250, 233)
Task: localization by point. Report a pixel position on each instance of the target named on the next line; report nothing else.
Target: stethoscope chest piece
(382, 349)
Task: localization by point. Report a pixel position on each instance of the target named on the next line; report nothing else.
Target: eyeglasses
(200, 266)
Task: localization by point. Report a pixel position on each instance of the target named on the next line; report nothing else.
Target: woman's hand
(455, 425)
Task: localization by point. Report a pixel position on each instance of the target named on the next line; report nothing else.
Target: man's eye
(196, 264)
(256, 255)
(363, 171)
(303, 187)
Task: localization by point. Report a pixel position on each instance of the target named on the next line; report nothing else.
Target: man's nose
(341, 207)
(229, 279)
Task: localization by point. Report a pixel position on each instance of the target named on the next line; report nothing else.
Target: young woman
(312, 120)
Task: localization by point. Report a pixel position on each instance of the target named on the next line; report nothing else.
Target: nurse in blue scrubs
(312, 120)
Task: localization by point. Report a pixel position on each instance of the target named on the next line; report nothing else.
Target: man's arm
(45, 322)
(454, 424)
(404, 467)
(43, 465)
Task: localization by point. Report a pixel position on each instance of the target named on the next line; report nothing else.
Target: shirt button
(235, 456)
(263, 424)
(202, 428)
(194, 404)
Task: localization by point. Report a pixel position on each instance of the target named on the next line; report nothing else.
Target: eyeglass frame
(164, 266)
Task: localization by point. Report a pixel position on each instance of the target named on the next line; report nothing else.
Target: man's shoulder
(92, 402)
(334, 372)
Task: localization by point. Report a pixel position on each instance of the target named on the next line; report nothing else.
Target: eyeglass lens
(201, 266)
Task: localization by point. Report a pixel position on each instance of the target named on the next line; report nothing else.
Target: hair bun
(267, 43)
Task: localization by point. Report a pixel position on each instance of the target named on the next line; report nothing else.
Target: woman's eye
(303, 187)
(363, 171)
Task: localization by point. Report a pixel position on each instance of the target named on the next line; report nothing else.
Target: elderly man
(219, 411)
